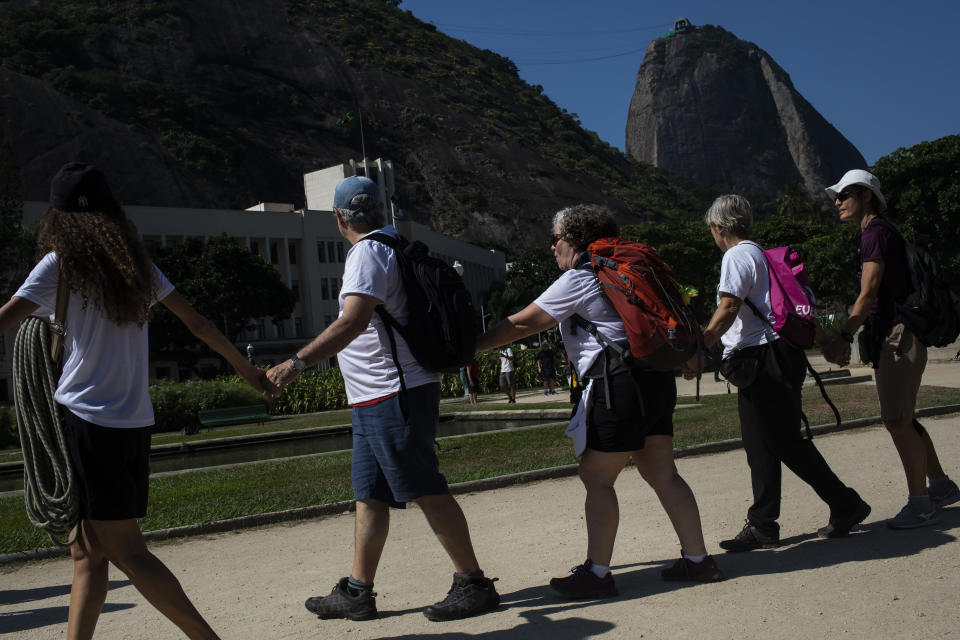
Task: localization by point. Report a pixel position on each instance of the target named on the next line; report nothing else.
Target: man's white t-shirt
(105, 366)
(577, 291)
(506, 360)
(744, 274)
(367, 363)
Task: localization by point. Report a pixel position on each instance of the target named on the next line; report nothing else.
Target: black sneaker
(467, 597)
(839, 526)
(582, 583)
(340, 604)
(704, 571)
(750, 538)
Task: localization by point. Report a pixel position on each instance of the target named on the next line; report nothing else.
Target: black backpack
(928, 310)
(441, 326)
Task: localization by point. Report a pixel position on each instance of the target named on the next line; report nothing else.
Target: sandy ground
(876, 583)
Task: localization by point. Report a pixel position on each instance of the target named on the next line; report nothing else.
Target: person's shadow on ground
(45, 616)
(637, 580)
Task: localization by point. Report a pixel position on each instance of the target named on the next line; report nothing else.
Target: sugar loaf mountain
(226, 104)
(719, 111)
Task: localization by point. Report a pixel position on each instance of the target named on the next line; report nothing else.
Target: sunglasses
(843, 195)
(554, 239)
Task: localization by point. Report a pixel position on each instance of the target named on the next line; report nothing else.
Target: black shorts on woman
(111, 468)
(641, 405)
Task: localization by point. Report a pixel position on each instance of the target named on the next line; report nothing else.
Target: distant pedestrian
(507, 366)
(473, 379)
(547, 367)
(887, 342)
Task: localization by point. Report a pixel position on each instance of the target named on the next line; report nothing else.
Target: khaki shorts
(902, 361)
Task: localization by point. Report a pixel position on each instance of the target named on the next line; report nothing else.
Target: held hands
(257, 378)
(280, 376)
(837, 351)
(693, 367)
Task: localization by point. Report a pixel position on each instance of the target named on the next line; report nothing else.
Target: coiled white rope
(50, 494)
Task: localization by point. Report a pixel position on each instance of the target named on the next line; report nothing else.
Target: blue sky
(884, 73)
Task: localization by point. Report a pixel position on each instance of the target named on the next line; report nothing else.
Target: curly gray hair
(583, 223)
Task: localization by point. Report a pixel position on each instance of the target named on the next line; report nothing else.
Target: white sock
(599, 570)
(695, 559)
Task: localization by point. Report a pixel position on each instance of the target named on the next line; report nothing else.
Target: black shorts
(111, 468)
(633, 415)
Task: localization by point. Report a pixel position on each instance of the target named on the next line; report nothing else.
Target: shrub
(312, 391)
(9, 435)
(176, 404)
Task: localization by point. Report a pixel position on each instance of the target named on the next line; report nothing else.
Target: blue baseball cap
(356, 193)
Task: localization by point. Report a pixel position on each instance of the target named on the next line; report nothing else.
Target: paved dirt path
(875, 584)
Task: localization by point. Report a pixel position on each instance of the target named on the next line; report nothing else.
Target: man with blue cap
(394, 421)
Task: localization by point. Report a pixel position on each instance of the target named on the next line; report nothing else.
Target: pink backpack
(791, 298)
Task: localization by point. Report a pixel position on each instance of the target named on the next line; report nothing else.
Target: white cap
(862, 178)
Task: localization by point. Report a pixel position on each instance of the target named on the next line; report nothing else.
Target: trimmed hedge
(176, 404)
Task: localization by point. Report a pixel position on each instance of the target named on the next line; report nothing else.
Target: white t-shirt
(105, 368)
(367, 363)
(743, 273)
(577, 291)
(506, 363)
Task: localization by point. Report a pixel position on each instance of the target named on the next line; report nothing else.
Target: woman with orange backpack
(624, 412)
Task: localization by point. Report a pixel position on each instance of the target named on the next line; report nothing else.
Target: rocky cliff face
(224, 104)
(721, 112)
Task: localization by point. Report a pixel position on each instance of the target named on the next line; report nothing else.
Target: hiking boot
(340, 604)
(583, 583)
(684, 569)
(467, 597)
(839, 526)
(750, 538)
(944, 493)
(910, 517)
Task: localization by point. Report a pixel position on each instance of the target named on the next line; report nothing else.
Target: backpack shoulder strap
(391, 323)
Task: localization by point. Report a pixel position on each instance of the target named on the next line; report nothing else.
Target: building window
(3, 346)
(331, 251)
(335, 284)
(298, 327)
(281, 329)
(273, 253)
(341, 254)
(255, 247)
(321, 252)
(261, 330)
(292, 249)
(324, 289)
(163, 372)
(327, 320)
(295, 286)
(4, 390)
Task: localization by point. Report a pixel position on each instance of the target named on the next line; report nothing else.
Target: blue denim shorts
(393, 448)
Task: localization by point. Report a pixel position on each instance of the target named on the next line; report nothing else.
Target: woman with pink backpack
(768, 372)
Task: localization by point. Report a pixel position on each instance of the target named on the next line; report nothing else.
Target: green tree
(14, 243)
(225, 283)
(529, 272)
(922, 187)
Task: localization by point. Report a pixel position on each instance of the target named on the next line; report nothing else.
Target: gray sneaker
(946, 493)
(910, 518)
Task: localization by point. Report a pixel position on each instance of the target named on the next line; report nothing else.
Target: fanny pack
(742, 366)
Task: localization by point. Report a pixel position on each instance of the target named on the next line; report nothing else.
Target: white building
(304, 246)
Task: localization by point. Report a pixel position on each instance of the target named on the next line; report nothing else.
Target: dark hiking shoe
(704, 571)
(467, 597)
(912, 517)
(840, 526)
(582, 583)
(944, 493)
(340, 604)
(750, 538)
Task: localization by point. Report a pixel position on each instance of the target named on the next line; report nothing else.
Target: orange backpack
(661, 330)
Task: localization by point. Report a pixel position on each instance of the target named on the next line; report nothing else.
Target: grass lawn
(273, 486)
